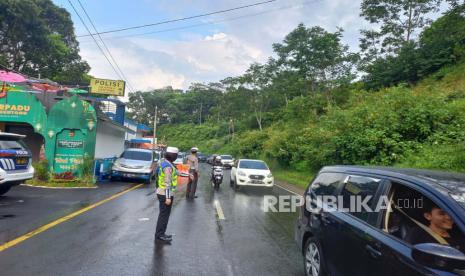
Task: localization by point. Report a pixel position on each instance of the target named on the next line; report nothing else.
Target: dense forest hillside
(314, 103)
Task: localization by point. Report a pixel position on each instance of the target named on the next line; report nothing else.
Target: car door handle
(373, 252)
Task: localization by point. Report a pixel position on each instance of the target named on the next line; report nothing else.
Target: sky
(206, 49)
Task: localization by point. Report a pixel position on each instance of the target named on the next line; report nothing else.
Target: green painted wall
(69, 130)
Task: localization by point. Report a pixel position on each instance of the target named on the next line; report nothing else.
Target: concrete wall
(110, 140)
(130, 136)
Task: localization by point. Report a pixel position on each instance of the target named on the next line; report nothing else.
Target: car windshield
(226, 157)
(137, 155)
(255, 165)
(12, 144)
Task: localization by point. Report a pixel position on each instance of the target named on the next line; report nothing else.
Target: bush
(87, 166)
(42, 170)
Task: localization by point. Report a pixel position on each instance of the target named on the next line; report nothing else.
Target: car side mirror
(438, 256)
(155, 160)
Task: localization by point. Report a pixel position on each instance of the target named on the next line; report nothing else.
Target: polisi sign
(107, 87)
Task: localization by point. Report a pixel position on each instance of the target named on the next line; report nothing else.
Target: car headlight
(241, 173)
(270, 175)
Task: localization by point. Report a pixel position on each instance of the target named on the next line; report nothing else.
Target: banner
(107, 87)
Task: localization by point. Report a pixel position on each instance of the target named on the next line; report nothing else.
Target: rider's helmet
(218, 158)
(194, 150)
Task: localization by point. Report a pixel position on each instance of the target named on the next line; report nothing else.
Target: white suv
(15, 161)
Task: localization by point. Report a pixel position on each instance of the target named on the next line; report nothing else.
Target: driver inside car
(439, 229)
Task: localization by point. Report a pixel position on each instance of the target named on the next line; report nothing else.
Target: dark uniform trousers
(163, 215)
(192, 185)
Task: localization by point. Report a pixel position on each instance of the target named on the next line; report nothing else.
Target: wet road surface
(117, 238)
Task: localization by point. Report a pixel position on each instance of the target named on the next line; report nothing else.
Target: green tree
(398, 21)
(37, 37)
(319, 57)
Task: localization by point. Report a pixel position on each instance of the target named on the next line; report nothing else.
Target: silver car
(135, 164)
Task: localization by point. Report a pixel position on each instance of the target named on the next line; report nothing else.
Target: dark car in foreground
(412, 222)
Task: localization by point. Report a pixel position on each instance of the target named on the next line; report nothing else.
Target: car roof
(449, 181)
(11, 135)
(256, 160)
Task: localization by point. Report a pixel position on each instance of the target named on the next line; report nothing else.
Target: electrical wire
(105, 46)
(98, 45)
(181, 19)
(209, 23)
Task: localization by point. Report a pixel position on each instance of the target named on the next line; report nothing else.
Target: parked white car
(250, 172)
(15, 161)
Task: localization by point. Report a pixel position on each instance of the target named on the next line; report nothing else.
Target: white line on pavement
(286, 189)
(219, 211)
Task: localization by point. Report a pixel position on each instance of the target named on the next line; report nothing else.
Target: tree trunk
(258, 116)
(409, 25)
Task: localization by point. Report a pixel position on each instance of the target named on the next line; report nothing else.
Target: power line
(105, 45)
(181, 19)
(211, 22)
(90, 33)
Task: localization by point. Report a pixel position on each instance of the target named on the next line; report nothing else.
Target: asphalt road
(117, 237)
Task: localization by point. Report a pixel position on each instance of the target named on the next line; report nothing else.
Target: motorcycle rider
(193, 162)
(216, 163)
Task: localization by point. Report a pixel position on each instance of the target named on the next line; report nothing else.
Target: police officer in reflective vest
(167, 182)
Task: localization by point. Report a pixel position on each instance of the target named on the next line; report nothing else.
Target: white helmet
(194, 149)
(218, 158)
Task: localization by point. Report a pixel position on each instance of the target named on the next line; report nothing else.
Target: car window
(255, 165)
(137, 155)
(327, 184)
(359, 189)
(15, 145)
(416, 218)
(226, 157)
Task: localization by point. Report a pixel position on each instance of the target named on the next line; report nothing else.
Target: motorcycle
(217, 176)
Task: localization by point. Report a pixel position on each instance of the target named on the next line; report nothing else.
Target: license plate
(21, 161)
(130, 175)
(257, 182)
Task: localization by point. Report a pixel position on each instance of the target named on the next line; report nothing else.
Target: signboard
(14, 109)
(107, 87)
(69, 153)
(70, 144)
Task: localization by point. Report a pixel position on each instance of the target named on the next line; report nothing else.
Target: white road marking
(144, 219)
(219, 211)
(286, 189)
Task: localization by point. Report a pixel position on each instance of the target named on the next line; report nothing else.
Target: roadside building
(69, 127)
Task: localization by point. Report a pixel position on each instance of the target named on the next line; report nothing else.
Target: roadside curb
(58, 188)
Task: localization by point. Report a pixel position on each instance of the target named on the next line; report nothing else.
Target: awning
(140, 141)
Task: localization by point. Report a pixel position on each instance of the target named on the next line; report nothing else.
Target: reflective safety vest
(161, 175)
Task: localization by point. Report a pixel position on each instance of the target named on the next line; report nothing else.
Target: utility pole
(155, 127)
